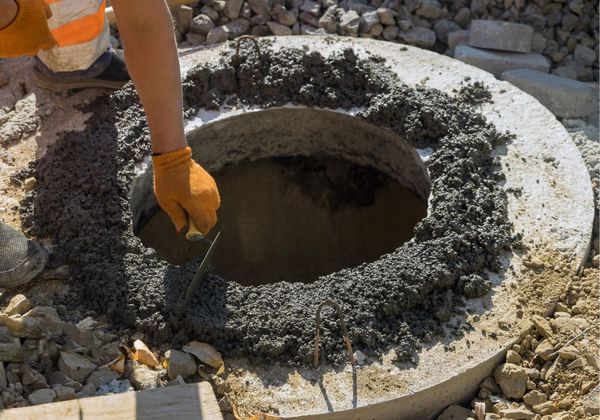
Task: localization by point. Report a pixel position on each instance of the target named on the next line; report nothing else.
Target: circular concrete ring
(553, 212)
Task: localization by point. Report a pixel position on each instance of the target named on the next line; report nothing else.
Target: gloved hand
(28, 33)
(182, 187)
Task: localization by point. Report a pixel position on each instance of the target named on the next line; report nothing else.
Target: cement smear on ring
(396, 302)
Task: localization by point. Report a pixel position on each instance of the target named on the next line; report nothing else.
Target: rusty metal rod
(251, 38)
(346, 339)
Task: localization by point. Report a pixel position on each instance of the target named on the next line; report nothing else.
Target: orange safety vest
(81, 32)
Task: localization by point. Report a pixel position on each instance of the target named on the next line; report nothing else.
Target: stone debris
(542, 326)
(118, 364)
(144, 355)
(279, 29)
(182, 17)
(205, 353)
(565, 97)
(512, 380)
(10, 349)
(513, 357)
(534, 397)
(115, 386)
(42, 396)
(460, 37)
(504, 36)
(516, 413)
(566, 32)
(17, 305)
(144, 378)
(455, 412)
(63, 393)
(568, 353)
(181, 363)
(545, 350)
(102, 376)
(552, 380)
(497, 62)
(75, 366)
(84, 361)
(420, 37)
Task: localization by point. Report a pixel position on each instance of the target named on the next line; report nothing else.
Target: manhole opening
(296, 218)
(299, 200)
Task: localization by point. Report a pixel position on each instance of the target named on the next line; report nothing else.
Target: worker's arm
(146, 29)
(182, 187)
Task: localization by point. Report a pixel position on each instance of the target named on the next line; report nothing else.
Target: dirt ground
(559, 356)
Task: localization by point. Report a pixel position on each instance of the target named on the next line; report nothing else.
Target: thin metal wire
(251, 38)
(347, 342)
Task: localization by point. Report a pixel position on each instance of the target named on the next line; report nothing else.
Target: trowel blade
(200, 272)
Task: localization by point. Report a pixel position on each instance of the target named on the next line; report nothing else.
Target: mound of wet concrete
(396, 302)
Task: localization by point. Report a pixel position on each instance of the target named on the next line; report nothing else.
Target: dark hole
(296, 218)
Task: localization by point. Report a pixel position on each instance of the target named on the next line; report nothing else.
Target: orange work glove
(28, 33)
(183, 188)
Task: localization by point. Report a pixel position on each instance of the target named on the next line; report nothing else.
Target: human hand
(182, 188)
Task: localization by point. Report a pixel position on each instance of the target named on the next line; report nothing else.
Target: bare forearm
(151, 56)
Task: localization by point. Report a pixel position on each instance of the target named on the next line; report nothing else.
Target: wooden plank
(190, 401)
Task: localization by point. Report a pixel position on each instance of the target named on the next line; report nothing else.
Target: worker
(71, 43)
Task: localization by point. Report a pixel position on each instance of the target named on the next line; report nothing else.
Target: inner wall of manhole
(293, 215)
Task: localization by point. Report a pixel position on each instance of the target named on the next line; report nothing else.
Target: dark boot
(109, 71)
(20, 259)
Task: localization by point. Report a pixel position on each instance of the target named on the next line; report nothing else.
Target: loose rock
(181, 363)
(278, 29)
(144, 378)
(542, 326)
(534, 398)
(102, 376)
(516, 413)
(513, 357)
(75, 366)
(64, 393)
(144, 355)
(512, 380)
(349, 23)
(205, 353)
(202, 24)
(18, 305)
(42, 396)
(420, 37)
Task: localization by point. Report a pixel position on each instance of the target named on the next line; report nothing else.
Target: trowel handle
(193, 234)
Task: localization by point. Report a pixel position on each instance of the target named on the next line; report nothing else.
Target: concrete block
(497, 35)
(458, 38)
(496, 62)
(566, 98)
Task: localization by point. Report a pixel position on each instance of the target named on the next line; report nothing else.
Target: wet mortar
(295, 219)
(393, 303)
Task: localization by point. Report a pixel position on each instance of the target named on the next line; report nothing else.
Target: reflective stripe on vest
(81, 31)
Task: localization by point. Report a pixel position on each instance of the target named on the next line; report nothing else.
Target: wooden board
(190, 401)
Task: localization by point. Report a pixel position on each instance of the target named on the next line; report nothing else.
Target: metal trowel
(194, 235)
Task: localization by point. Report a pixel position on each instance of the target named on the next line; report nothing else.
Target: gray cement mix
(395, 303)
